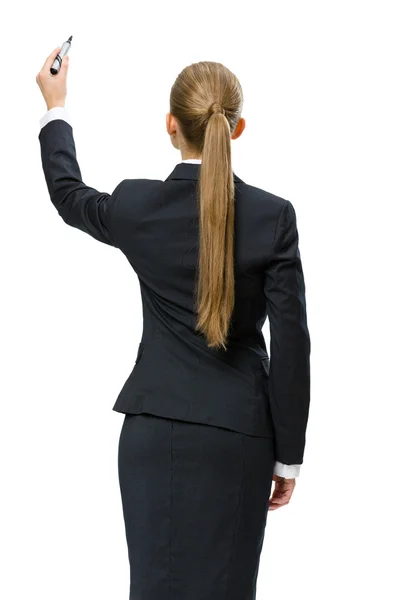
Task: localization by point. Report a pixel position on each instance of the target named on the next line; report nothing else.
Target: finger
(276, 487)
(283, 494)
(282, 487)
(279, 499)
(51, 58)
(274, 506)
(278, 503)
(65, 66)
(280, 496)
(279, 493)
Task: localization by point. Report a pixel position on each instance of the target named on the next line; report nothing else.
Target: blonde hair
(207, 100)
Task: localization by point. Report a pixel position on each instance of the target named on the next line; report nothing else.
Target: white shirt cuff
(58, 112)
(288, 471)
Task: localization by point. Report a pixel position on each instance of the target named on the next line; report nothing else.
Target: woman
(209, 420)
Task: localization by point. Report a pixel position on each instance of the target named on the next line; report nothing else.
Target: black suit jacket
(154, 224)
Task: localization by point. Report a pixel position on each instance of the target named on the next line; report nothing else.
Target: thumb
(50, 59)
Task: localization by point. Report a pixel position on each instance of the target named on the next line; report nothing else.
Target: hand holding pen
(52, 77)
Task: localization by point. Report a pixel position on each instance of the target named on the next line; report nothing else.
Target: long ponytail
(215, 291)
(207, 100)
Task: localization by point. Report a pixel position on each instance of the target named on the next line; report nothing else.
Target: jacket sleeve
(78, 204)
(289, 369)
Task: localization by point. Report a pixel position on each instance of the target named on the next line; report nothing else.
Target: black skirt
(195, 505)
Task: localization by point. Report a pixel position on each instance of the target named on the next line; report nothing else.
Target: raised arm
(78, 204)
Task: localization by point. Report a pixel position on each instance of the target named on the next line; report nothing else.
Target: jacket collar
(191, 171)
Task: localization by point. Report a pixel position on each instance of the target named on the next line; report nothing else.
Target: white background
(329, 112)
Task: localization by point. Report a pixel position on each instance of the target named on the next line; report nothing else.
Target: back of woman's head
(207, 101)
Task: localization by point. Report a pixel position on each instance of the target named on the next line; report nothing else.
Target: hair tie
(216, 108)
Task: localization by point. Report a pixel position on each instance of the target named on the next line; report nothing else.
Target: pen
(57, 63)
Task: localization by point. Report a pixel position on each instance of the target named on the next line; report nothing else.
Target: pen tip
(70, 39)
